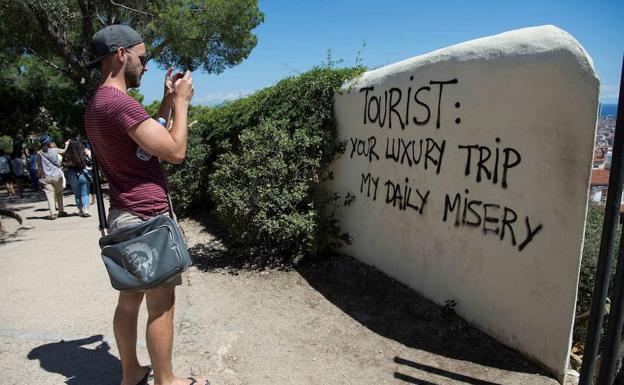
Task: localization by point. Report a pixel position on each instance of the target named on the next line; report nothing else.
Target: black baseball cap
(108, 39)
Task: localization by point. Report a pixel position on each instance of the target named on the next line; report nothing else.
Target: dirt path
(331, 322)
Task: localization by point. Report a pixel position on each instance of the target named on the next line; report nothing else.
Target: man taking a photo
(127, 145)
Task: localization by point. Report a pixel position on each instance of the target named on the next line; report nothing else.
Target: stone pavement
(235, 327)
(55, 289)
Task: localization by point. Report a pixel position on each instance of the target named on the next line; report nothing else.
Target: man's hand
(170, 81)
(183, 87)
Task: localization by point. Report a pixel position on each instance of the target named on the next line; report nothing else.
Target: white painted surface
(596, 194)
(536, 90)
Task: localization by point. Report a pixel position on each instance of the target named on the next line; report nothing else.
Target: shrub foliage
(589, 263)
(257, 163)
(263, 191)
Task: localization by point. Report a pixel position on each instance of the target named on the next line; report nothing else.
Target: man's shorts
(118, 219)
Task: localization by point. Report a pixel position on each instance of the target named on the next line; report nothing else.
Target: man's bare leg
(160, 306)
(125, 327)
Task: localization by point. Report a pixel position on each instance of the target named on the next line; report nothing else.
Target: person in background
(18, 144)
(59, 155)
(6, 176)
(89, 159)
(32, 168)
(51, 176)
(17, 167)
(75, 165)
(60, 160)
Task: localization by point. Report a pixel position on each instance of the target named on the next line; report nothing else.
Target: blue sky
(296, 35)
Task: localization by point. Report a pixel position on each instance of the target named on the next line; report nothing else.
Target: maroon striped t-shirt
(135, 185)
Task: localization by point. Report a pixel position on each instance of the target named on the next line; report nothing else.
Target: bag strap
(100, 199)
(171, 213)
(98, 195)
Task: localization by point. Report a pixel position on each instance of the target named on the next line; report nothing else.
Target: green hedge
(257, 163)
(589, 263)
(263, 192)
(591, 249)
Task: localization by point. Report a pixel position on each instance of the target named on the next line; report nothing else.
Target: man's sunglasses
(142, 58)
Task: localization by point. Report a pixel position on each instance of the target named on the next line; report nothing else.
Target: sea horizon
(608, 109)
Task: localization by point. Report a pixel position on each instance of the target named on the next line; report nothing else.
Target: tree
(136, 94)
(36, 98)
(188, 34)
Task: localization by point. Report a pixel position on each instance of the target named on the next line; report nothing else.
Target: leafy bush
(257, 162)
(589, 263)
(6, 143)
(263, 191)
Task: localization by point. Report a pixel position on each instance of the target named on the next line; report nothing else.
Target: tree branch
(109, 14)
(61, 44)
(99, 18)
(56, 67)
(132, 9)
(87, 22)
(84, 79)
(157, 50)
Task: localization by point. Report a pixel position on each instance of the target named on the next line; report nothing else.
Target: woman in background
(89, 168)
(76, 173)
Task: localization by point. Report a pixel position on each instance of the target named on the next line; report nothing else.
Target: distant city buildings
(603, 151)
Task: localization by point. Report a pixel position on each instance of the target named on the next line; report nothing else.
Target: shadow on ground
(80, 365)
(437, 371)
(13, 237)
(30, 196)
(395, 311)
(387, 308)
(46, 216)
(214, 255)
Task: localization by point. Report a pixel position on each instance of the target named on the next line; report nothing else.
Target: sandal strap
(194, 381)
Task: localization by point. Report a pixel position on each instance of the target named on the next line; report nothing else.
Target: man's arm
(165, 107)
(62, 150)
(152, 137)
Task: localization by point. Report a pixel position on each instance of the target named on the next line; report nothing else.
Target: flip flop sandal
(143, 380)
(194, 381)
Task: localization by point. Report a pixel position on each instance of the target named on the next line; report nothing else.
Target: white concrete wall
(529, 99)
